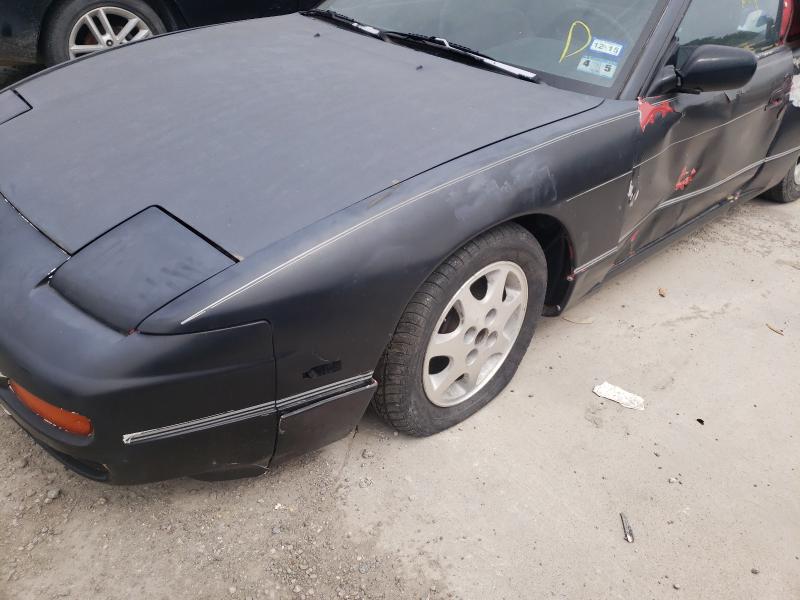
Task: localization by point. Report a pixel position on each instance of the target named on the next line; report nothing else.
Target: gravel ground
(523, 500)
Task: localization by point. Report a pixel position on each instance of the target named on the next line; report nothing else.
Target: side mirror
(713, 68)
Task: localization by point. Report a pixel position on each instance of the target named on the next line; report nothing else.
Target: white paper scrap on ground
(615, 394)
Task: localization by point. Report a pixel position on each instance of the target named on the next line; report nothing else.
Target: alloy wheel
(475, 334)
(106, 27)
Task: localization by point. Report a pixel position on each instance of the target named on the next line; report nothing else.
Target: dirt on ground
(521, 501)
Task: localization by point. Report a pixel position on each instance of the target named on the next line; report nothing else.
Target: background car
(53, 31)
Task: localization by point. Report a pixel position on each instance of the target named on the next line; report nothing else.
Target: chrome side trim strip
(170, 431)
(597, 187)
(244, 414)
(672, 201)
(399, 206)
(702, 133)
(325, 391)
(594, 261)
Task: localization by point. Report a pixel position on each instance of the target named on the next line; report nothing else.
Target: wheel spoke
(443, 381)
(89, 21)
(79, 50)
(450, 345)
(506, 314)
(103, 17)
(496, 287)
(468, 305)
(129, 27)
(473, 373)
(143, 34)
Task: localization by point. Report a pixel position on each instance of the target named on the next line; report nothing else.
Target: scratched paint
(685, 179)
(648, 113)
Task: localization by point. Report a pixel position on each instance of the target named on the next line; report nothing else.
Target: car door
(206, 12)
(696, 151)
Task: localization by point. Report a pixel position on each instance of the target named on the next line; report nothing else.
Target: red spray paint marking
(687, 177)
(649, 112)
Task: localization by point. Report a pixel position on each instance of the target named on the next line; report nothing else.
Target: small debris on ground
(676, 586)
(662, 292)
(626, 528)
(775, 329)
(366, 453)
(579, 320)
(620, 396)
(365, 483)
(701, 421)
(52, 494)
(755, 571)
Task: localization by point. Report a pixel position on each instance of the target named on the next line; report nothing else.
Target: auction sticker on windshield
(598, 66)
(606, 47)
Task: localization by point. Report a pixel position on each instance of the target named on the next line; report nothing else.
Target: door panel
(696, 151)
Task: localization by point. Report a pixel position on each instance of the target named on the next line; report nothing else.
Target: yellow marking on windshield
(566, 53)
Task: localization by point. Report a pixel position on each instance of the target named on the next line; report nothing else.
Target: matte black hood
(249, 132)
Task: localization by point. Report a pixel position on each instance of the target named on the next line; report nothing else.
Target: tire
(408, 369)
(787, 190)
(60, 25)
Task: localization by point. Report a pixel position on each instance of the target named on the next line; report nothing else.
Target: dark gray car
(217, 247)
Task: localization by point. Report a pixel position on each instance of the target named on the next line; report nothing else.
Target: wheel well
(558, 250)
(166, 9)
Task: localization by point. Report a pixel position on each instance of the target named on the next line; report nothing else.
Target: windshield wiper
(464, 51)
(428, 40)
(332, 15)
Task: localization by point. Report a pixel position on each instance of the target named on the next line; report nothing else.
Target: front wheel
(787, 190)
(81, 27)
(463, 335)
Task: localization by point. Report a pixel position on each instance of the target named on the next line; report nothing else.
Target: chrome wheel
(106, 27)
(475, 334)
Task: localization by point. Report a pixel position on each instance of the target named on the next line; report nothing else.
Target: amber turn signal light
(63, 419)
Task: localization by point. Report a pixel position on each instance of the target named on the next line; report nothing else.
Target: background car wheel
(463, 335)
(78, 27)
(789, 189)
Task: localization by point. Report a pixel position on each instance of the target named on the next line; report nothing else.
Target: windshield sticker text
(606, 47)
(598, 66)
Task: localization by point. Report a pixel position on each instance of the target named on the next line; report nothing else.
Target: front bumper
(161, 406)
(228, 444)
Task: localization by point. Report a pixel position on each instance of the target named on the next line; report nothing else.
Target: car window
(589, 41)
(751, 24)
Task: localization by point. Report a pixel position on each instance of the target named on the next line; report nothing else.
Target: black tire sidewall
(790, 191)
(524, 252)
(59, 26)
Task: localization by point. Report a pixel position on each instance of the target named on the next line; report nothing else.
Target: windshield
(574, 40)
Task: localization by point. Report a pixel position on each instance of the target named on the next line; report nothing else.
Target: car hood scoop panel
(136, 268)
(251, 131)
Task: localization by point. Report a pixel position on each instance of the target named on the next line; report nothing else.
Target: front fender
(335, 291)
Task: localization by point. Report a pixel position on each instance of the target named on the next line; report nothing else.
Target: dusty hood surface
(249, 132)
